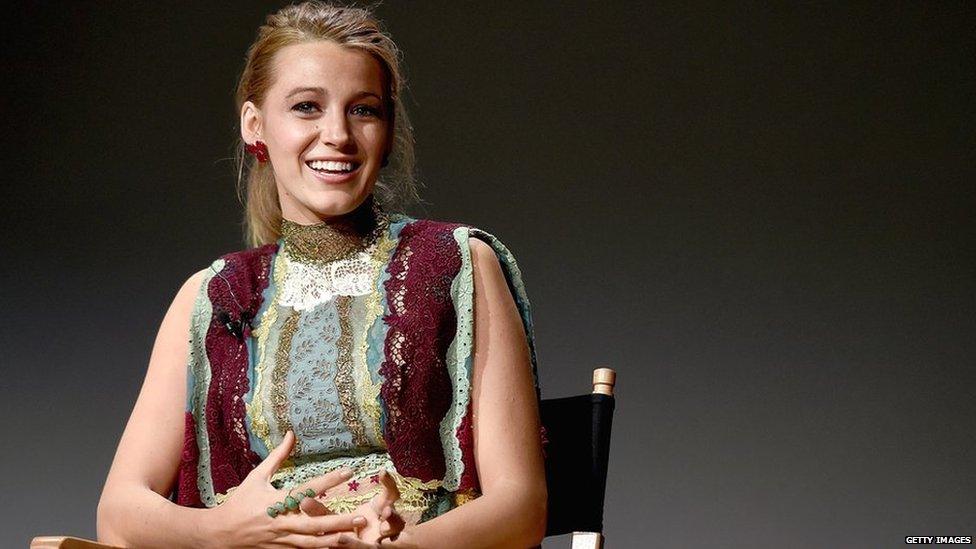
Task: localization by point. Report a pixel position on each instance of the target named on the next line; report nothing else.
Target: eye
(305, 107)
(366, 110)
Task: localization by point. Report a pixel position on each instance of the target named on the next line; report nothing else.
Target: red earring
(259, 150)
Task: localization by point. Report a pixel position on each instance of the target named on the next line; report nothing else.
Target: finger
(389, 486)
(345, 540)
(276, 457)
(392, 524)
(314, 507)
(388, 493)
(389, 536)
(305, 540)
(304, 524)
(322, 483)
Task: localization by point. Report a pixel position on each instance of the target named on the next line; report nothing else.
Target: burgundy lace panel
(416, 389)
(469, 477)
(187, 492)
(236, 290)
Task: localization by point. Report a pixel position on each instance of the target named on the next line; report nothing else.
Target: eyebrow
(297, 91)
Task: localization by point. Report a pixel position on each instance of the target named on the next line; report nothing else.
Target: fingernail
(359, 521)
(346, 472)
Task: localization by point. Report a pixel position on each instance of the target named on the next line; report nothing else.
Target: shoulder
(186, 297)
(486, 271)
(481, 251)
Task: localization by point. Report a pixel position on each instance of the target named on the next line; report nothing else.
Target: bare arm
(133, 509)
(507, 449)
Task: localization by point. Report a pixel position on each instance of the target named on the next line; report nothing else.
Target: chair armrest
(67, 542)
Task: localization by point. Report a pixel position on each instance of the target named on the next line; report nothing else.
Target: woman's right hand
(243, 520)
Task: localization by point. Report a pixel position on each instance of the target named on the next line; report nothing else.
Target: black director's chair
(578, 434)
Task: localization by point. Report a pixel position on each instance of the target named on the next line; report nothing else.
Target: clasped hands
(243, 520)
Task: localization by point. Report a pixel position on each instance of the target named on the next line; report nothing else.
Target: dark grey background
(760, 216)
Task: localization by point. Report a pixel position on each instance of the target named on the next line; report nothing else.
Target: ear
(251, 122)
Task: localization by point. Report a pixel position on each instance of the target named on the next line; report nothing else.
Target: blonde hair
(352, 27)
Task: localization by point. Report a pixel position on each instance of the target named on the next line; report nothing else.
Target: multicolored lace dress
(329, 358)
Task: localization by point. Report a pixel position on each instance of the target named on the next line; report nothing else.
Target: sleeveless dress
(367, 359)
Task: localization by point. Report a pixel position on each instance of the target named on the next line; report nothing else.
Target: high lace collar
(336, 239)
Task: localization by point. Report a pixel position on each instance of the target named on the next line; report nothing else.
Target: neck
(338, 237)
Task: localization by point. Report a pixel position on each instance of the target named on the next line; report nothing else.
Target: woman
(356, 378)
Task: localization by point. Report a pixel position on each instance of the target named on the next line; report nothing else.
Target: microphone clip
(240, 328)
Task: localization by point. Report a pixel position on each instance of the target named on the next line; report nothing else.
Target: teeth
(331, 166)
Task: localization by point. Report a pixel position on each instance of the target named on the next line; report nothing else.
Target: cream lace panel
(368, 385)
(260, 422)
(311, 284)
(198, 367)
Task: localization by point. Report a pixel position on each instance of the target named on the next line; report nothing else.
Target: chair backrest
(577, 449)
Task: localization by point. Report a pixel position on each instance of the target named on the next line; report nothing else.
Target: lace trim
(343, 376)
(416, 496)
(456, 427)
(416, 389)
(279, 378)
(459, 363)
(238, 293)
(370, 390)
(309, 284)
(199, 367)
(187, 493)
(329, 241)
(256, 412)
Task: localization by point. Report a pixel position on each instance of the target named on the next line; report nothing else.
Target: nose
(335, 129)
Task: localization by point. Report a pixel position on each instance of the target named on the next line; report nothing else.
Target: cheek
(294, 138)
(375, 136)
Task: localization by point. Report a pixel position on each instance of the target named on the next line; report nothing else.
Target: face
(323, 115)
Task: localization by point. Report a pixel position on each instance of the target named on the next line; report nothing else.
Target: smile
(333, 173)
(330, 166)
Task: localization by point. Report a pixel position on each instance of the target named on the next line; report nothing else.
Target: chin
(339, 203)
